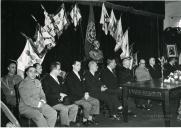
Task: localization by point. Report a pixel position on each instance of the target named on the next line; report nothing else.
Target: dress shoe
(115, 117)
(75, 124)
(86, 123)
(130, 113)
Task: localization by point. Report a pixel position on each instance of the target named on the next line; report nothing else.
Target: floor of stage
(152, 118)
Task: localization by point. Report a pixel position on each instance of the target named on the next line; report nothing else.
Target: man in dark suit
(169, 67)
(109, 78)
(76, 89)
(97, 90)
(55, 92)
(154, 70)
(124, 74)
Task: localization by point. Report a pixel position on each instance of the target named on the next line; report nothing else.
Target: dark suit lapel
(76, 77)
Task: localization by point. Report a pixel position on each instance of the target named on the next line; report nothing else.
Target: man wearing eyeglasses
(141, 72)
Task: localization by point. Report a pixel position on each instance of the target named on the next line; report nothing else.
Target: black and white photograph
(97, 63)
(171, 51)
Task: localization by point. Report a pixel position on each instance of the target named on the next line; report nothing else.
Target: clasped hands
(103, 88)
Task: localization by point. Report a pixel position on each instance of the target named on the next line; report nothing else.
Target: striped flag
(104, 19)
(125, 46)
(118, 35)
(112, 24)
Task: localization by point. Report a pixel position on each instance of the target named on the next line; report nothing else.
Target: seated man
(54, 92)
(33, 102)
(142, 74)
(125, 75)
(169, 67)
(153, 69)
(109, 78)
(76, 89)
(7, 84)
(97, 90)
(39, 70)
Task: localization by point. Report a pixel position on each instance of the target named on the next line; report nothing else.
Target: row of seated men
(41, 96)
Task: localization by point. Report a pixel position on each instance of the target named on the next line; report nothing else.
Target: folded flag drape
(90, 33)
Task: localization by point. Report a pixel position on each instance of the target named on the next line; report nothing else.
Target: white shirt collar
(76, 73)
(109, 68)
(55, 78)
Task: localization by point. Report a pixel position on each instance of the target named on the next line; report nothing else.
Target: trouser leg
(36, 116)
(63, 113)
(73, 109)
(50, 114)
(86, 107)
(95, 110)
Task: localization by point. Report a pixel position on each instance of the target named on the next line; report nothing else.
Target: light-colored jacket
(30, 94)
(142, 74)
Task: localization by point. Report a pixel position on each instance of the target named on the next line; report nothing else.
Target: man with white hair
(153, 69)
(97, 90)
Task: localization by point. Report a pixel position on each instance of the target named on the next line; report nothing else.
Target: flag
(125, 46)
(112, 24)
(75, 15)
(90, 32)
(48, 39)
(60, 20)
(28, 57)
(104, 19)
(118, 35)
(49, 27)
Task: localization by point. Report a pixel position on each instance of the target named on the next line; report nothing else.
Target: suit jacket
(109, 79)
(52, 90)
(31, 93)
(124, 75)
(155, 72)
(75, 86)
(142, 74)
(168, 68)
(93, 84)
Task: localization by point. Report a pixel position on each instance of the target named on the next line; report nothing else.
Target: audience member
(153, 69)
(141, 72)
(33, 102)
(39, 70)
(76, 89)
(97, 90)
(109, 78)
(169, 67)
(8, 82)
(55, 93)
(124, 73)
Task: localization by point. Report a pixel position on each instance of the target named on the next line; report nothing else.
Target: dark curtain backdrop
(144, 31)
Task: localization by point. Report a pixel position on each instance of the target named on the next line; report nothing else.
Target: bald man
(141, 72)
